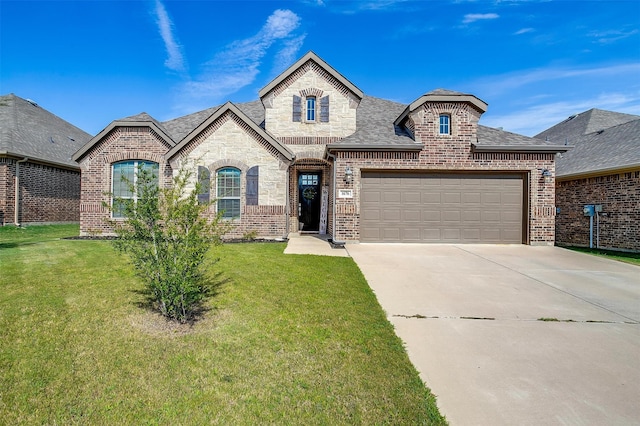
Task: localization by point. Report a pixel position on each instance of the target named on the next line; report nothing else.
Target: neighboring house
(39, 182)
(315, 154)
(603, 169)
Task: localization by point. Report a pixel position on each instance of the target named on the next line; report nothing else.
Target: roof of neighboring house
(584, 123)
(613, 149)
(27, 130)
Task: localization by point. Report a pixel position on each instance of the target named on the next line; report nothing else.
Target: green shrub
(166, 234)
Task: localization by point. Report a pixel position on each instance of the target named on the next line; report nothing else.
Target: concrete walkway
(471, 319)
(312, 244)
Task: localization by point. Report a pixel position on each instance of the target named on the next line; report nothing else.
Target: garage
(442, 208)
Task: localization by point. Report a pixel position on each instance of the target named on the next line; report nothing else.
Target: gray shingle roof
(30, 131)
(571, 129)
(491, 137)
(180, 127)
(375, 124)
(616, 147)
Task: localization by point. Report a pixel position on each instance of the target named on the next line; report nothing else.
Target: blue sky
(534, 62)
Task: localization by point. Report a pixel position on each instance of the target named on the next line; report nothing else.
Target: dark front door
(309, 196)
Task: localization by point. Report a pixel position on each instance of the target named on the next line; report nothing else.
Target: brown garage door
(441, 208)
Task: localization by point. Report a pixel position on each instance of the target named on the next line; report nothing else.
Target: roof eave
(537, 149)
(374, 147)
(40, 160)
(598, 172)
(470, 99)
(115, 124)
(310, 56)
(229, 106)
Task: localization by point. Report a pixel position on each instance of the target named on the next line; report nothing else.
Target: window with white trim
(228, 192)
(124, 178)
(445, 124)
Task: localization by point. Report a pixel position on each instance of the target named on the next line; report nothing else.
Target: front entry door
(309, 201)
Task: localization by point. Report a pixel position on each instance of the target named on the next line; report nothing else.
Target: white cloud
(536, 118)
(499, 84)
(287, 55)
(175, 60)
(239, 63)
(473, 17)
(523, 31)
(611, 36)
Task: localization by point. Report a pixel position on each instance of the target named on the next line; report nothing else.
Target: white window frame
(134, 196)
(221, 196)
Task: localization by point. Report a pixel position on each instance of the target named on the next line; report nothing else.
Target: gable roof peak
(310, 56)
(441, 91)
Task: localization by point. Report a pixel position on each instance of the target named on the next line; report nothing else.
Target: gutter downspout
(17, 191)
(333, 218)
(287, 213)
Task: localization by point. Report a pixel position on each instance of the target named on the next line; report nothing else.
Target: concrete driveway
(470, 316)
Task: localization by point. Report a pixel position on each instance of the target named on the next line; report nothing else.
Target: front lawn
(627, 257)
(289, 340)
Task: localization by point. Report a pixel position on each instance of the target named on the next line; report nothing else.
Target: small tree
(167, 235)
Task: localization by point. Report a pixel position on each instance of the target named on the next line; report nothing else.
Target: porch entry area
(309, 191)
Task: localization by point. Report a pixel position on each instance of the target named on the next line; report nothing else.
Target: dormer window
(311, 108)
(445, 124)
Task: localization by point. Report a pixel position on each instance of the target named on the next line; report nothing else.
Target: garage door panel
(411, 215)
(471, 235)
(472, 216)
(431, 197)
(472, 197)
(391, 215)
(451, 216)
(431, 216)
(451, 234)
(411, 197)
(451, 197)
(432, 235)
(391, 197)
(416, 207)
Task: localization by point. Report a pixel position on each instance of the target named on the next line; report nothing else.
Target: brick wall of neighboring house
(47, 194)
(122, 143)
(449, 153)
(619, 195)
(7, 190)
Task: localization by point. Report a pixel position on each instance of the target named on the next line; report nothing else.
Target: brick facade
(47, 194)
(122, 143)
(619, 195)
(452, 153)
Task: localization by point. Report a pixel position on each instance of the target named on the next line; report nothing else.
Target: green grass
(633, 258)
(289, 340)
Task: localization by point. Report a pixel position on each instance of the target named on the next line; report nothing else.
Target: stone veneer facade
(619, 195)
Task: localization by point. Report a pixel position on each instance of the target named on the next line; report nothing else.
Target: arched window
(228, 192)
(445, 124)
(311, 108)
(124, 180)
